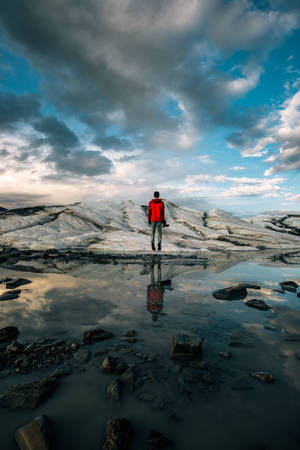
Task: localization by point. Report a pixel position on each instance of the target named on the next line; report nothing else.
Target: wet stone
(231, 293)
(130, 333)
(158, 441)
(108, 365)
(12, 284)
(113, 391)
(185, 347)
(34, 435)
(257, 304)
(118, 434)
(290, 286)
(10, 295)
(82, 356)
(98, 334)
(249, 285)
(8, 333)
(264, 377)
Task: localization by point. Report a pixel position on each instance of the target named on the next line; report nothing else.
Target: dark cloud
(17, 108)
(57, 135)
(4, 153)
(113, 142)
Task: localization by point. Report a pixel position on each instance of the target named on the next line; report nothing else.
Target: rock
(107, 365)
(185, 347)
(158, 441)
(29, 394)
(249, 285)
(128, 339)
(146, 397)
(118, 434)
(8, 333)
(226, 354)
(15, 347)
(16, 283)
(290, 286)
(231, 293)
(82, 356)
(113, 391)
(264, 377)
(271, 327)
(62, 371)
(98, 334)
(34, 435)
(129, 333)
(257, 304)
(298, 295)
(10, 295)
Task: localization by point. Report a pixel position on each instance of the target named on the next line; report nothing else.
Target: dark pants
(156, 226)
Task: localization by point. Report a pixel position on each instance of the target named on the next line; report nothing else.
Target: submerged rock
(185, 347)
(8, 333)
(158, 441)
(108, 365)
(29, 394)
(113, 391)
(10, 295)
(257, 304)
(82, 356)
(231, 293)
(264, 377)
(34, 435)
(290, 286)
(16, 283)
(98, 334)
(130, 333)
(118, 434)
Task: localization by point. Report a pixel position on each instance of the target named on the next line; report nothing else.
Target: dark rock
(10, 295)
(264, 377)
(8, 333)
(128, 339)
(34, 435)
(97, 334)
(82, 356)
(108, 365)
(62, 371)
(15, 347)
(185, 347)
(129, 333)
(257, 304)
(16, 283)
(113, 391)
(290, 286)
(118, 434)
(231, 293)
(158, 441)
(29, 394)
(146, 397)
(249, 285)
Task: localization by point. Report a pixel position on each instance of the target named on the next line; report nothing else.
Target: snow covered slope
(123, 227)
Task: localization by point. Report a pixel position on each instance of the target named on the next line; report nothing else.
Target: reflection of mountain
(122, 228)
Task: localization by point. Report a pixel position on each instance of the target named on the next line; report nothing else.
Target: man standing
(156, 218)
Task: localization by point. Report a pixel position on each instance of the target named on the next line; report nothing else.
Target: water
(236, 411)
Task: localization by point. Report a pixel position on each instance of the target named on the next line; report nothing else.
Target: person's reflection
(155, 291)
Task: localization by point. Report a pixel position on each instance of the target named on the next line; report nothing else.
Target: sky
(114, 99)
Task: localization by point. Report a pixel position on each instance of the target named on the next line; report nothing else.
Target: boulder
(231, 293)
(34, 435)
(29, 394)
(257, 304)
(8, 333)
(290, 286)
(10, 295)
(12, 284)
(185, 347)
(118, 434)
(264, 377)
(158, 441)
(98, 334)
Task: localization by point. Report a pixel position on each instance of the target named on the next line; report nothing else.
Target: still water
(158, 300)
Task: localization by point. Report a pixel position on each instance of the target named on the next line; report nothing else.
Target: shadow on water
(205, 404)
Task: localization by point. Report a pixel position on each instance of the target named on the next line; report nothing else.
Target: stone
(8, 333)
(146, 397)
(257, 304)
(98, 334)
(108, 365)
(158, 441)
(15, 347)
(128, 339)
(82, 356)
(10, 295)
(290, 286)
(62, 371)
(264, 377)
(231, 293)
(29, 394)
(16, 283)
(113, 391)
(118, 434)
(34, 435)
(185, 347)
(249, 285)
(130, 333)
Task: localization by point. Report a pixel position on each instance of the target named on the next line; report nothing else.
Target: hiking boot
(159, 247)
(153, 247)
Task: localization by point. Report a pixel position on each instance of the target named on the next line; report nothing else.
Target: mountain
(107, 226)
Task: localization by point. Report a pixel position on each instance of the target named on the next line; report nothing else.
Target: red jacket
(156, 210)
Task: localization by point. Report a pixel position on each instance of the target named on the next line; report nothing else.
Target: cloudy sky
(113, 99)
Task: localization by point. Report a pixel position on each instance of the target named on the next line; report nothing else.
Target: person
(155, 293)
(156, 218)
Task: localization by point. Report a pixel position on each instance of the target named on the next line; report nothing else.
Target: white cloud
(237, 168)
(294, 198)
(205, 159)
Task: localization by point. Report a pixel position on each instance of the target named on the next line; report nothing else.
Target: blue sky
(116, 99)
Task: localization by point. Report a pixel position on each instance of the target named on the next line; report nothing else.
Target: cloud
(237, 168)
(294, 198)
(20, 200)
(16, 109)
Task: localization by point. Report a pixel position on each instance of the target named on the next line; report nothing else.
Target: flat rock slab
(10, 295)
(158, 441)
(185, 347)
(118, 434)
(16, 283)
(8, 333)
(257, 304)
(34, 435)
(98, 334)
(231, 293)
(290, 286)
(264, 377)
(29, 394)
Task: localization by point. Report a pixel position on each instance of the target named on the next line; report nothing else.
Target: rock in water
(158, 441)
(108, 365)
(257, 304)
(114, 390)
(34, 435)
(29, 394)
(185, 347)
(98, 334)
(117, 434)
(16, 283)
(231, 293)
(10, 295)
(249, 286)
(82, 356)
(290, 286)
(8, 333)
(264, 377)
